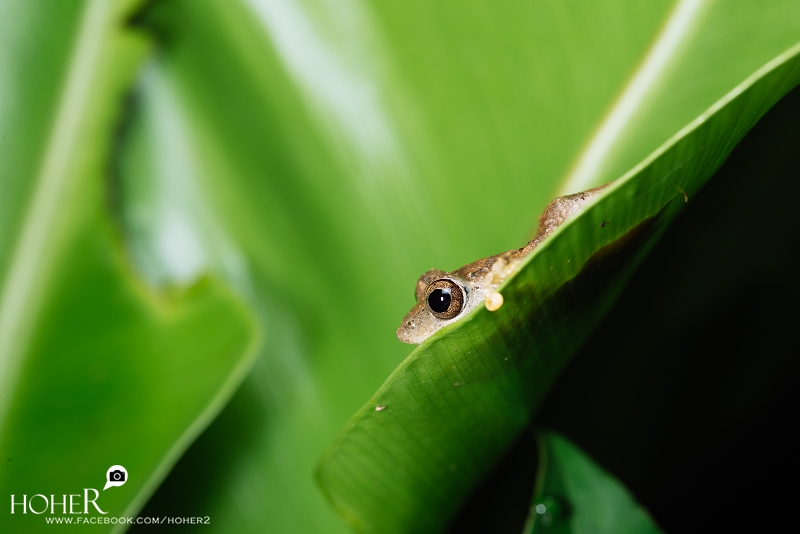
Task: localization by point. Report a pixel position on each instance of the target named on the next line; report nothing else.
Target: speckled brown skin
(483, 276)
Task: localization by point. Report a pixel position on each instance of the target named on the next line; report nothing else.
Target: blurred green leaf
(574, 494)
(95, 368)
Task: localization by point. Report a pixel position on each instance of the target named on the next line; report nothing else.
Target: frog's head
(441, 299)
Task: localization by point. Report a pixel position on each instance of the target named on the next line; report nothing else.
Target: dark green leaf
(574, 495)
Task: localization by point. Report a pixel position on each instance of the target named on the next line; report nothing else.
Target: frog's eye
(445, 298)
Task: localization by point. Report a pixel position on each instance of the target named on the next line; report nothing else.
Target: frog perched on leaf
(444, 297)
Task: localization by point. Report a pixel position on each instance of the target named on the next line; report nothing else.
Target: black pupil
(439, 300)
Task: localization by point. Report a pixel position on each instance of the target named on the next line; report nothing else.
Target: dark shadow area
(687, 390)
(504, 493)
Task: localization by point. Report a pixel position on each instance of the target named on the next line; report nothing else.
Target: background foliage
(194, 189)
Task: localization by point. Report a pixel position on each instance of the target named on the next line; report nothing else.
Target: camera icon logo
(116, 476)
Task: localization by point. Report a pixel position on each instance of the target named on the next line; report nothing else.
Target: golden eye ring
(444, 298)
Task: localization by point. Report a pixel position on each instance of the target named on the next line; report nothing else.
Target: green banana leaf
(316, 158)
(96, 369)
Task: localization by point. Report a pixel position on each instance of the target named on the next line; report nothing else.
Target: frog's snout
(406, 332)
(412, 329)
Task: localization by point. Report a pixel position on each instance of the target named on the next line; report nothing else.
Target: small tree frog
(444, 297)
